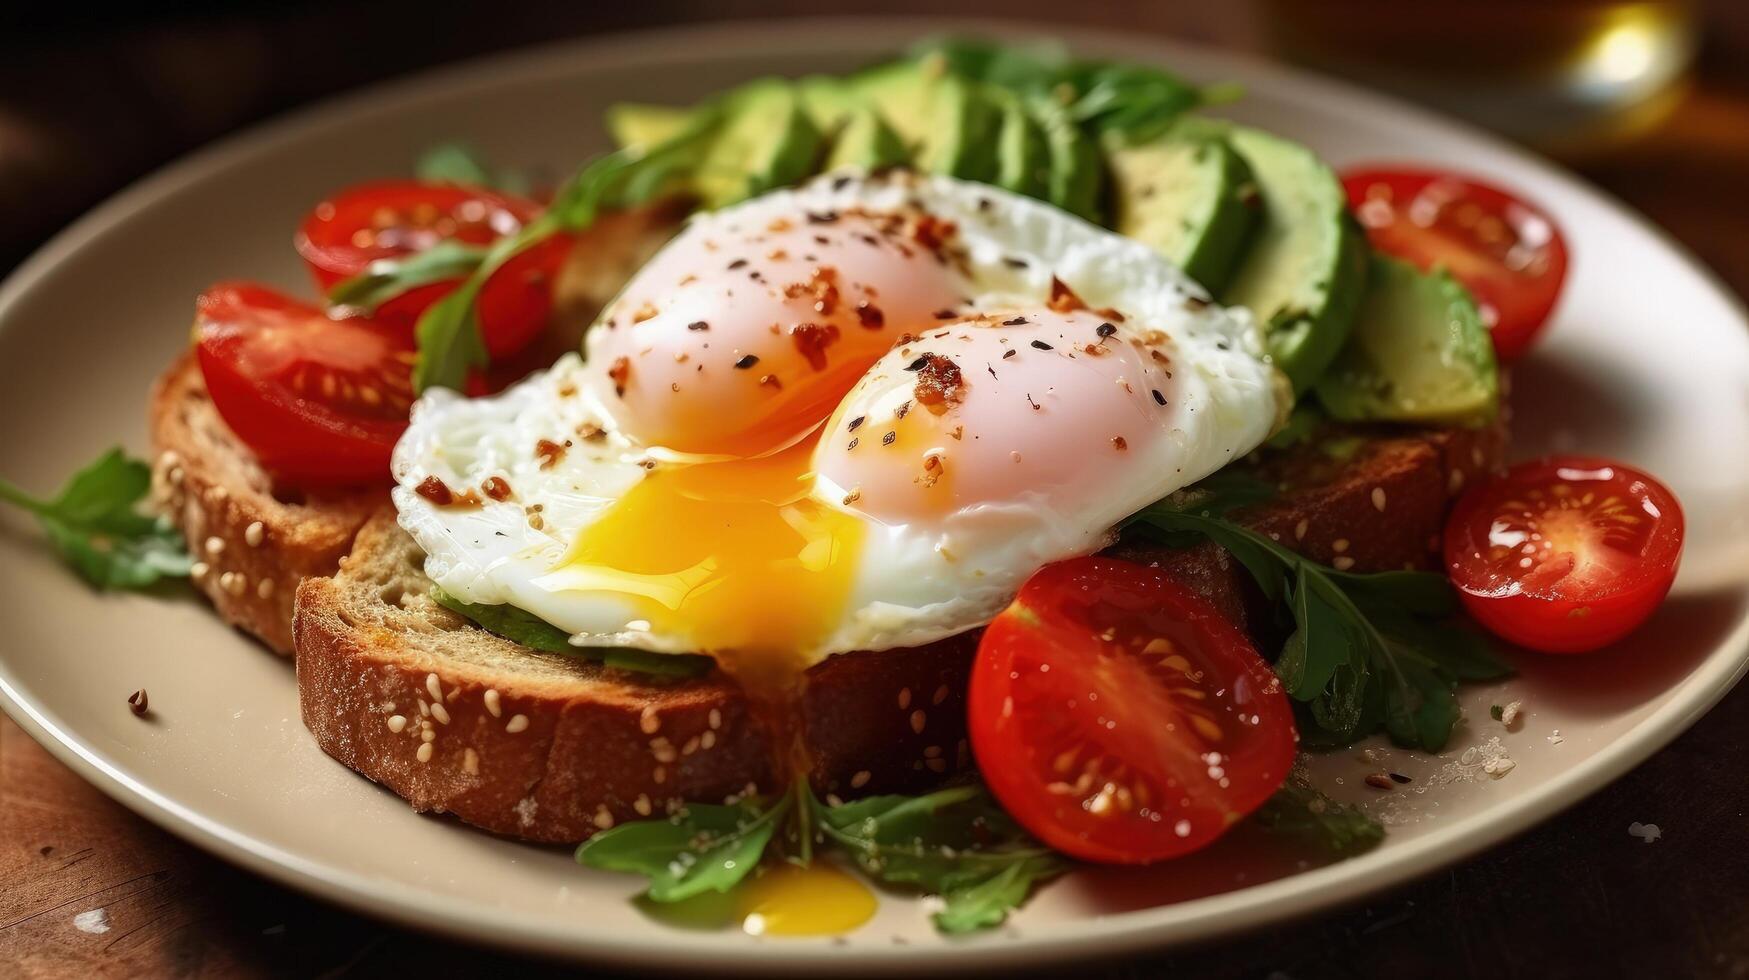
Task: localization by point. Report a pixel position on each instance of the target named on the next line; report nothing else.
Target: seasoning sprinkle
(1159, 399)
(747, 361)
(856, 423)
(1019, 321)
(887, 439)
(917, 365)
(945, 314)
(737, 264)
(137, 703)
(698, 325)
(1041, 345)
(1106, 329)
(1009, 353)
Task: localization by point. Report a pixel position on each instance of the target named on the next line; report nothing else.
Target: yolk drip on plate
(734, 555)
(789, 900)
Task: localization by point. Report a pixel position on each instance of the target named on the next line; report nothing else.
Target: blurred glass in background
(1571, 77)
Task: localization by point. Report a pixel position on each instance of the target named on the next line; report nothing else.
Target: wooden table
(1578, 896)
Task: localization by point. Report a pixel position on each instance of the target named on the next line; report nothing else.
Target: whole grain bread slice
(553, 747)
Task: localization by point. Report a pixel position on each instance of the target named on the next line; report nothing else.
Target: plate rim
(1294, 896)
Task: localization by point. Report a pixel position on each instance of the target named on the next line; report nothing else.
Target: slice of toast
(428, 704)
(255, 541)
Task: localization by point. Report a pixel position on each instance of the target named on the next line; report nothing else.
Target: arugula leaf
(385, 279)
(1134, 102)
(1367, 651)
(702, 848)
(956, 843)
(1300, 810)
(521, 626)
(96, 524)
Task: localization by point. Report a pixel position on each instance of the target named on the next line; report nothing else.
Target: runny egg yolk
(734, 556)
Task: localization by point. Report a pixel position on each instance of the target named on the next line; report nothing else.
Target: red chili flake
(618, 372)
(496, 487)
(1063, 299)
(1119, 443)
(1378, 780)
(698, 325)
(436, 491)
(591, 432)
(770, 381)
(139, 705)
(870, 316)
(1110, 314)
(932, 468)
(746, 361)
(939, 383)
(549, 452)
(644, 312)
(931, 232)
(822, 285)
(779, 225)
(903, 410)
(1041, 345)
(946, 314)
(811, 340)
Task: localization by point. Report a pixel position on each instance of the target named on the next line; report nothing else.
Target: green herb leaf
(521, 626)
(453, 163)
(385, 279)
(955, 842)
(702, 848)
(1134, 102)
(1299, 810)
(96, 524)
(1367, 650)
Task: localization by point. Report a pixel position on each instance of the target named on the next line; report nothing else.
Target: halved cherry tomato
(343, 235)
(320, 401)
(1121, 718)
(1565, 554)
(1508, 252)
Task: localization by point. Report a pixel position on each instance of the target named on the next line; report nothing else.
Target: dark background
(90, 100)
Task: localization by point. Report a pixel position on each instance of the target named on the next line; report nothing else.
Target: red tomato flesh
(319, 400)
(1509, 253)
(1119, 717)
(344, 234)
(1566, 554)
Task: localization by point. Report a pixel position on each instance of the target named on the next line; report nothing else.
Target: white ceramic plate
(1648, 361)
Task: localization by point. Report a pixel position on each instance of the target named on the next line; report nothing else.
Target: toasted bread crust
(604, 746)
(253, 547)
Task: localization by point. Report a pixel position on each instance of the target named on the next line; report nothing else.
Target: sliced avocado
(766, 140)
(1418, 353)
(963, 123)
(865, 140)
(829, 100)
(1076, 171)
(1306, 267)
(1190, 196)
(1023, 158)
(901, 91)
(641, 124)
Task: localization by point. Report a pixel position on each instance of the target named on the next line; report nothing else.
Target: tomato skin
(1565, 554)
(253, 345)
(343, 235)
(1509, 253)
(1120, 718)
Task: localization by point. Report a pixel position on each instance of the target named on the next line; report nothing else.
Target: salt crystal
(1647, 832)
(1509, 714)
